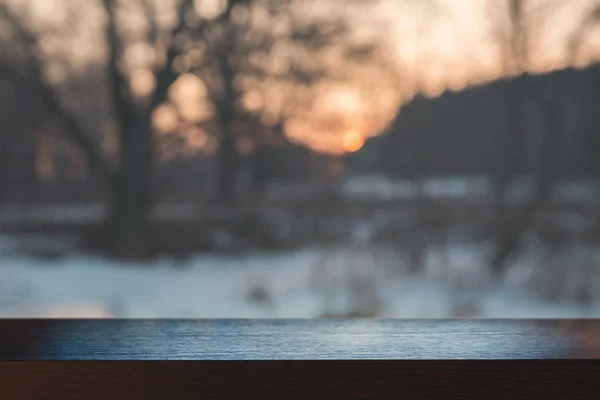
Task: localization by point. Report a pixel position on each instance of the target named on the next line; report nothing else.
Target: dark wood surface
(299, 359)
(298, 339)
(306, 380)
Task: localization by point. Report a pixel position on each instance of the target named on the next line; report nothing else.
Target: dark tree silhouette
(222, 50)
(240, 53)
(129, 180)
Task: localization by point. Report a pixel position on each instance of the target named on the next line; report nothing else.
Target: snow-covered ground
(314, 282)
(357, 279)
(379, 187)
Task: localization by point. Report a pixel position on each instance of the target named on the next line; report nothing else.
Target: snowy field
(314, 282)
(358, 279)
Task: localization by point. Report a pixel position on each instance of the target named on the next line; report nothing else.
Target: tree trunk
(417, 241)
(130, 202)
(228, 166)
(228, 158)
(512, 228)
(260, 176)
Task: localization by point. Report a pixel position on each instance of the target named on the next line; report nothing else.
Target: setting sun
(353, 141)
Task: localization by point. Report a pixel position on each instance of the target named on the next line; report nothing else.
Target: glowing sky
(440, 44)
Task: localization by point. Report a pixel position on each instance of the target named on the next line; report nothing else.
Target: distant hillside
(466, 132)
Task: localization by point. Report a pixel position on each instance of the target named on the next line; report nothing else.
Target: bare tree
(131, 200)
(241, 53)
(222, 50)
(420, 147)
(529, 141)
(32, 79)
(129, 180)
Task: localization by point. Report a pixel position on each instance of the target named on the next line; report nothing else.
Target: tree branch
(150, 10)
(165, 76)
(122, 103)
(47, 94)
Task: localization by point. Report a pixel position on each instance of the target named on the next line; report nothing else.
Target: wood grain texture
(298, 339)
(349, 359)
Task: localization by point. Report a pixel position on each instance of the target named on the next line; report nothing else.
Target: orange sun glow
(353, 141)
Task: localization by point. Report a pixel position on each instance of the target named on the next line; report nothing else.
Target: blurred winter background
(299, 158)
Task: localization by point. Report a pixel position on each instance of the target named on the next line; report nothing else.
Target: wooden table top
(105, 339)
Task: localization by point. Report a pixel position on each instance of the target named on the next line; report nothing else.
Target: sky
(438, 45)
(459, 44)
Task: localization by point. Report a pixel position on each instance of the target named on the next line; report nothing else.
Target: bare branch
(575, 41)
(27, 37)
(150, 11)
(122, 102)
(165, 76)
(47, 94)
